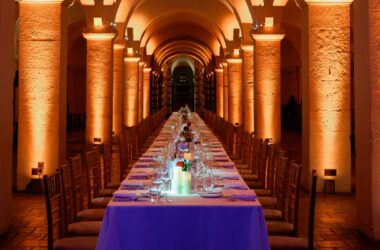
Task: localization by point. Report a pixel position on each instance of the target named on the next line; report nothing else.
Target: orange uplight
(39, 89)
(235, 90)
(97, 21)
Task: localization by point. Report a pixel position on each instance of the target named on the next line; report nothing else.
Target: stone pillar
(99, 87)
(235, 90)
(219, 92)
(367, 121)
(225, 91)
(7, 74)
(268, 86)
(146, 92)
(141, 93)
(131, 91)
(329, 90)
(117, 88)
(248, 87)
(40, 61)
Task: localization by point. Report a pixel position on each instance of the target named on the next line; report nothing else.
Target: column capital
(328, 2)
(247, 47)
(234, 60)
(99, 36)
(268, 37)
(119, 46)
(219, 70)
(40, 1)
(131, 59)
(147, 69)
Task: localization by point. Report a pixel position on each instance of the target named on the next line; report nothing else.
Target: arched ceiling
(208, 22)
(183, 61)
(190, 48)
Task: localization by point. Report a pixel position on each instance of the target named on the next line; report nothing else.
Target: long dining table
(184, 222)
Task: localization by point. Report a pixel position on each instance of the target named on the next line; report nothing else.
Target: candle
(187, 156)
(176, 180)
(186, 182)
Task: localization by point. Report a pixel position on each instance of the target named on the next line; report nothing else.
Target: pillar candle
(186, 182)
(176, 180)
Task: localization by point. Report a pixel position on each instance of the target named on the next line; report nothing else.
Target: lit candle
(176, 180)
(186, 182)
(187, 156)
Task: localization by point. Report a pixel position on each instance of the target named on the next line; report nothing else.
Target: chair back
(292, 194)
(92, 173)
(312, 210)
(67, 193)
(276, 170)
(107, 163)
(262, 168)
(281, 183)
(255, 154)
(273, 151)
(54, 207)
(78, 184)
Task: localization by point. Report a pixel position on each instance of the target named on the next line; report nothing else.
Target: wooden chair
(93, 181)
(277, 199)
(55, 218)
(274, 154)
(296, 243)
(74, 214)
(289, 223)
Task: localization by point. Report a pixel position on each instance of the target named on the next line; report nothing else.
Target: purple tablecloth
(187, 223)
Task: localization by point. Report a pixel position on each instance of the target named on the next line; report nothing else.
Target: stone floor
(334, 225)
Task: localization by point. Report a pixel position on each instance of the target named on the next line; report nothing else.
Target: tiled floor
(334, 226)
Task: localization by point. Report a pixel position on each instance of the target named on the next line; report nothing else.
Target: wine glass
(166, 177)
(155, 193)
(208, 182)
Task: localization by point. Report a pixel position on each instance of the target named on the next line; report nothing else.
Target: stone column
(7, 74)
(225, 91)
(268, 86)
(99, 87)
(248, 87)
(146, 92)
(40, 61)
(141, 89)
(117, 88)
(329, 90)
(131, 91)
(367, 119)
(235, 90)
(219, 92)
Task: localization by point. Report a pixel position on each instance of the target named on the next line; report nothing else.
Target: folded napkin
(220, 158)
(139, 176)
(221, 164)
(141, 164)
(231, 184)
(148, 156)
(124, 195)
(213, 150)
(226, 176)
(148, 170)
(248, 194)
(135, 184)
(146, 159)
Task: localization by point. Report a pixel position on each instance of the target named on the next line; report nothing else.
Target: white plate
(210, 195)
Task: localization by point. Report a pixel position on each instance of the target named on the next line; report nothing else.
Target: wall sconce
(269, 21)
(98, 21)
(329, 182)
(236, 52)
(130, 51)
